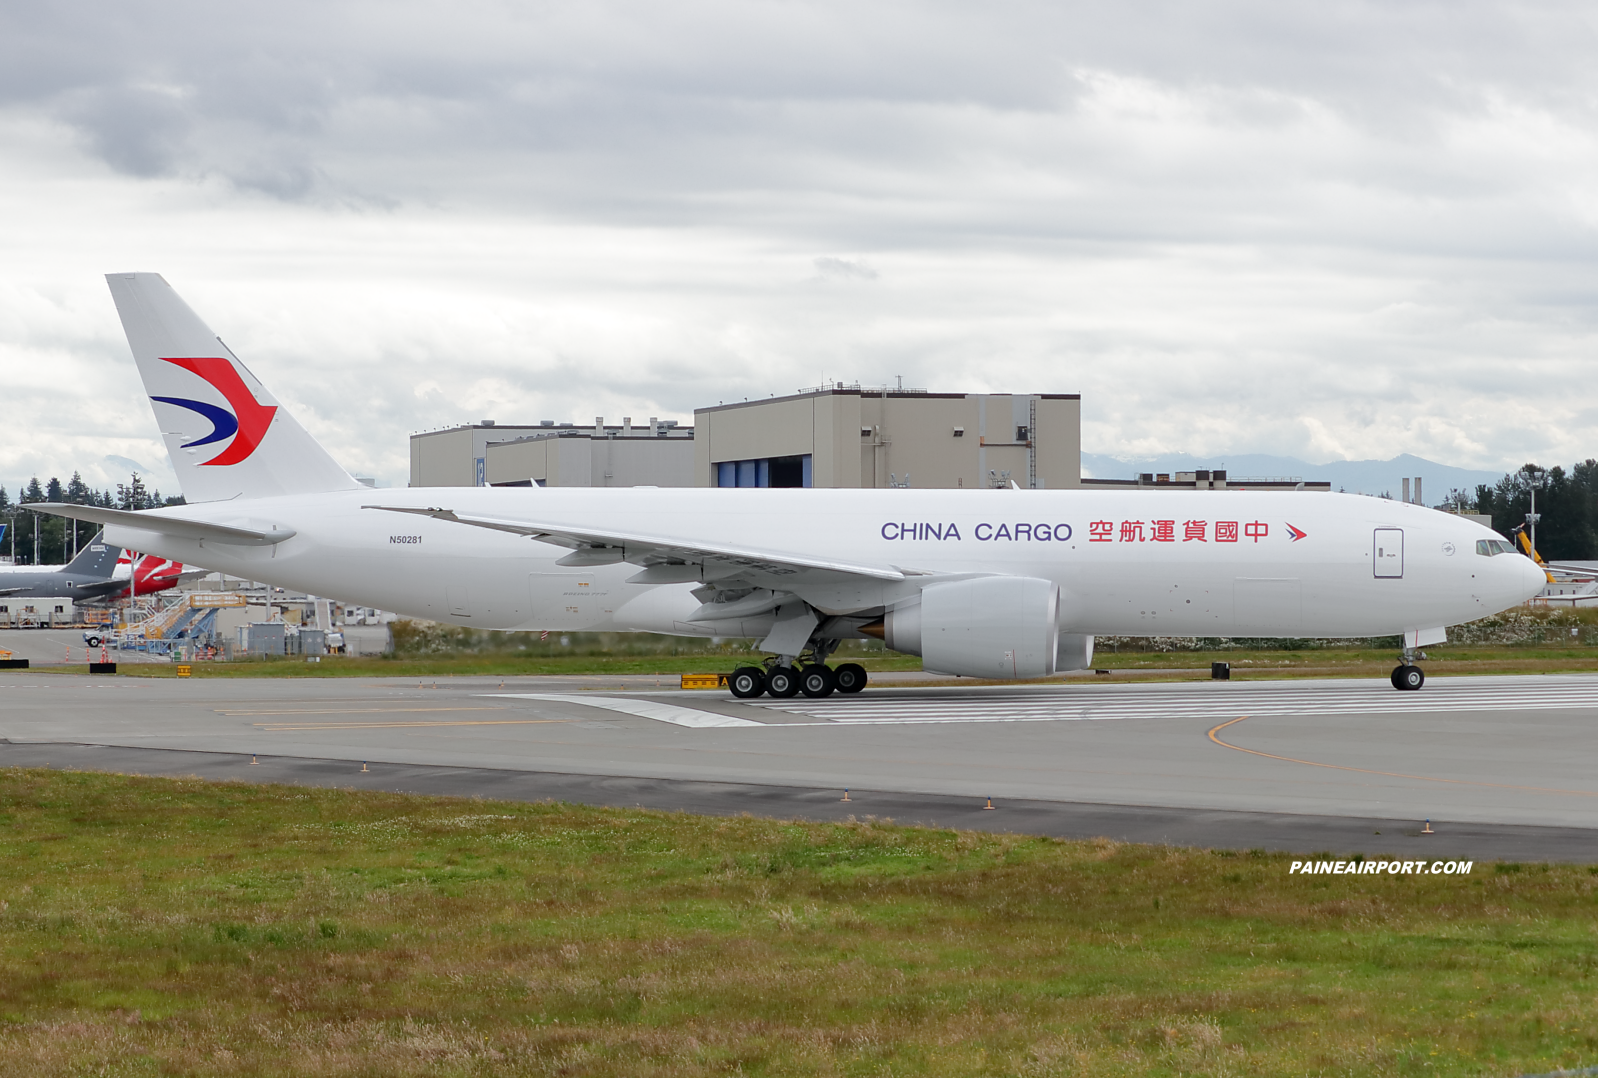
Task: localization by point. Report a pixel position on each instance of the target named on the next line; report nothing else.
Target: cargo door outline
(459, 599)
(1387, 553)
(563, 600)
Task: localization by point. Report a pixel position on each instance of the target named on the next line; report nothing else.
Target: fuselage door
(564, 601)
(1388, 552)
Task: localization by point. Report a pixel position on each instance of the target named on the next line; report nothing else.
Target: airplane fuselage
(1126, 562)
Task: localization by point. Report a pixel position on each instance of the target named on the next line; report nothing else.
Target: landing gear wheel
(1408, 678)
(816, 681)
(850, 677)
(782, 682)
(747, 682)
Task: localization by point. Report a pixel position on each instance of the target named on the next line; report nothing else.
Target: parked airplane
(981, 583)
(146, 574)
(89, 576)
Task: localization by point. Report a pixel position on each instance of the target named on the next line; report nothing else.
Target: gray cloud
(1323, 230)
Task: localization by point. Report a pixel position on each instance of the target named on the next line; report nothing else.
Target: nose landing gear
(1407, 677)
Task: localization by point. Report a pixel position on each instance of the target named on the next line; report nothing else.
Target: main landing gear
(1407, 677)
(785, 676)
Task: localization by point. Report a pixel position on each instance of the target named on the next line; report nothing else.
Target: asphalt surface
(1498, 765)
(60, 647)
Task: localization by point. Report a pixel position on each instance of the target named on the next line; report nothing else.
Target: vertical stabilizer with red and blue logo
(227, 436)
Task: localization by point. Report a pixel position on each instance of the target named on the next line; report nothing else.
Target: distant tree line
(1566, 501)
(34, 538)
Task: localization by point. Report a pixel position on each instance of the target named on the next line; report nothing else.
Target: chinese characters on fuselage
(1164, 531)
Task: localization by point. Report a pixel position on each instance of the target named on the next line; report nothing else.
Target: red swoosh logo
(1297, 534)
(253, 416)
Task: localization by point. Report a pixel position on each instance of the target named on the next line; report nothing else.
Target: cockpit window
(1488, 547)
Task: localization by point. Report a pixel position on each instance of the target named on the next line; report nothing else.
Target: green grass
(153, 926)
(1360, 661)
(1144, 665)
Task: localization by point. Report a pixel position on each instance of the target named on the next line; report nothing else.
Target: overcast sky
(1328, 231)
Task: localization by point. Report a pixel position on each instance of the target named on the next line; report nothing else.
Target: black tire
(747, 682)
(850, 677)
(1409, 678)
(93, 641)
(782, 682)
(817, 681)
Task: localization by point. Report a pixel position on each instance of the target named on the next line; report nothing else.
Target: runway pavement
(1498, 764)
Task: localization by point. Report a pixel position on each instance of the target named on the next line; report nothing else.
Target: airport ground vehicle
(982, 583)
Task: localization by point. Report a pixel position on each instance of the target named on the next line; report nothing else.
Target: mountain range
(1355, 476)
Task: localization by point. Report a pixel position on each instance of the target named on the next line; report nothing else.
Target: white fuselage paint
(1139, 580)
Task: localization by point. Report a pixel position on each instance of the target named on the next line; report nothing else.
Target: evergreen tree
(77, 492)
(27, 527)
(132, 495)
(52, 490)
(1567, 504)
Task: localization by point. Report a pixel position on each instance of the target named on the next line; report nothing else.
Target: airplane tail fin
(226, 434)
(95, 560)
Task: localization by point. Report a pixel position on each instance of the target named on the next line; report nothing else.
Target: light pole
(1536, 479)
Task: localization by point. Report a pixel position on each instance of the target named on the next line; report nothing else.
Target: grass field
(1150, 665)
(1523, 640)
(153, 927)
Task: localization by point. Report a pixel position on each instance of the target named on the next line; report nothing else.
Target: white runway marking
(643, 708)
(1206, 702)
(1104, 703)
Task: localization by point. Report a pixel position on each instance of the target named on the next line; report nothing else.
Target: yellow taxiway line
(283, 727)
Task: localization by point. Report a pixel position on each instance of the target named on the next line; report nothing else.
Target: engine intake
(988, 627)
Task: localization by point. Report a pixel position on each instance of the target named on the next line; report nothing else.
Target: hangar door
(1388, 552)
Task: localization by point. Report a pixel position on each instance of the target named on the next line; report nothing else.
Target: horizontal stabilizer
(154, 520)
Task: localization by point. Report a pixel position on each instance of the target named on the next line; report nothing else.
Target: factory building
(830, 436)
(849, 436)
(554, 454)
(1207, 480)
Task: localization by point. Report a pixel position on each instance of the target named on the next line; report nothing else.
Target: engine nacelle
(989, 627)
(1075, 652)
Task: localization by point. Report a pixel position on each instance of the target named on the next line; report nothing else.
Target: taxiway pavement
(1297, 765)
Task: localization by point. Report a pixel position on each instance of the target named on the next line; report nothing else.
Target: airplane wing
(154, 520)
(591, 547)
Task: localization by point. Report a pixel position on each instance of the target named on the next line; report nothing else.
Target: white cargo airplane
(980, 583)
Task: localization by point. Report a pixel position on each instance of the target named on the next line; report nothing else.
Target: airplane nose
(1531, 576)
